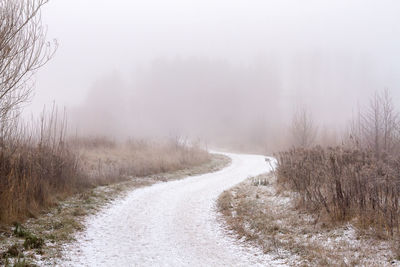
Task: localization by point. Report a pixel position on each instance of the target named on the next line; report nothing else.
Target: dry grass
(35, 171)
(345, 185)
(267, 216)
(107, 161)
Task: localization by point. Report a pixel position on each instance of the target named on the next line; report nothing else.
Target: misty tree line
(375, 127)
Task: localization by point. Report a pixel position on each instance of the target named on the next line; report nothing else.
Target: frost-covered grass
(268, 217)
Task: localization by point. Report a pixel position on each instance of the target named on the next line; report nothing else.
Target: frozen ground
(170, 224)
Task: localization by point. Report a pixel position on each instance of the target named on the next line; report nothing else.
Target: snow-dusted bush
(345, 184)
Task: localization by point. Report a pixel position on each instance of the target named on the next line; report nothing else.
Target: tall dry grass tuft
(36, 167)
(345, 184)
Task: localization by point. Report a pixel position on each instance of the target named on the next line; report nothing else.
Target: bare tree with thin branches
(23, 50)
(303, 129)
(390, 122)
(379, 124)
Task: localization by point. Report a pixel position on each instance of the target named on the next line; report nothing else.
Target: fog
(224, 71)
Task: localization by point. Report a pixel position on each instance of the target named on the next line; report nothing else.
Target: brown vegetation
(345, 184)
(36, 170)
(262, 213)
(107, 161)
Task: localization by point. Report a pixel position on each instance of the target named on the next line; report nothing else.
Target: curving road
(170, 224)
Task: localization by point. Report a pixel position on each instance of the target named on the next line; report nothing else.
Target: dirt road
(170, 224)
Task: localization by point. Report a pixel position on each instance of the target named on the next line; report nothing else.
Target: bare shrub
(345, 184)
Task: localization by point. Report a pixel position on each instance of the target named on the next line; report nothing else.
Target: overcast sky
(98, 36)
(330, 55)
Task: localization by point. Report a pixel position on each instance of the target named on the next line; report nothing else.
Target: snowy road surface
(170, 224)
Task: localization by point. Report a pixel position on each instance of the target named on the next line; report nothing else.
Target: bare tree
(371, 124)
(378, 125)
(23, 50)
(303, 130)
(390, 122)
(353, 136)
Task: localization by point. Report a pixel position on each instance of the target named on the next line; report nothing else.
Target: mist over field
(223, 71)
